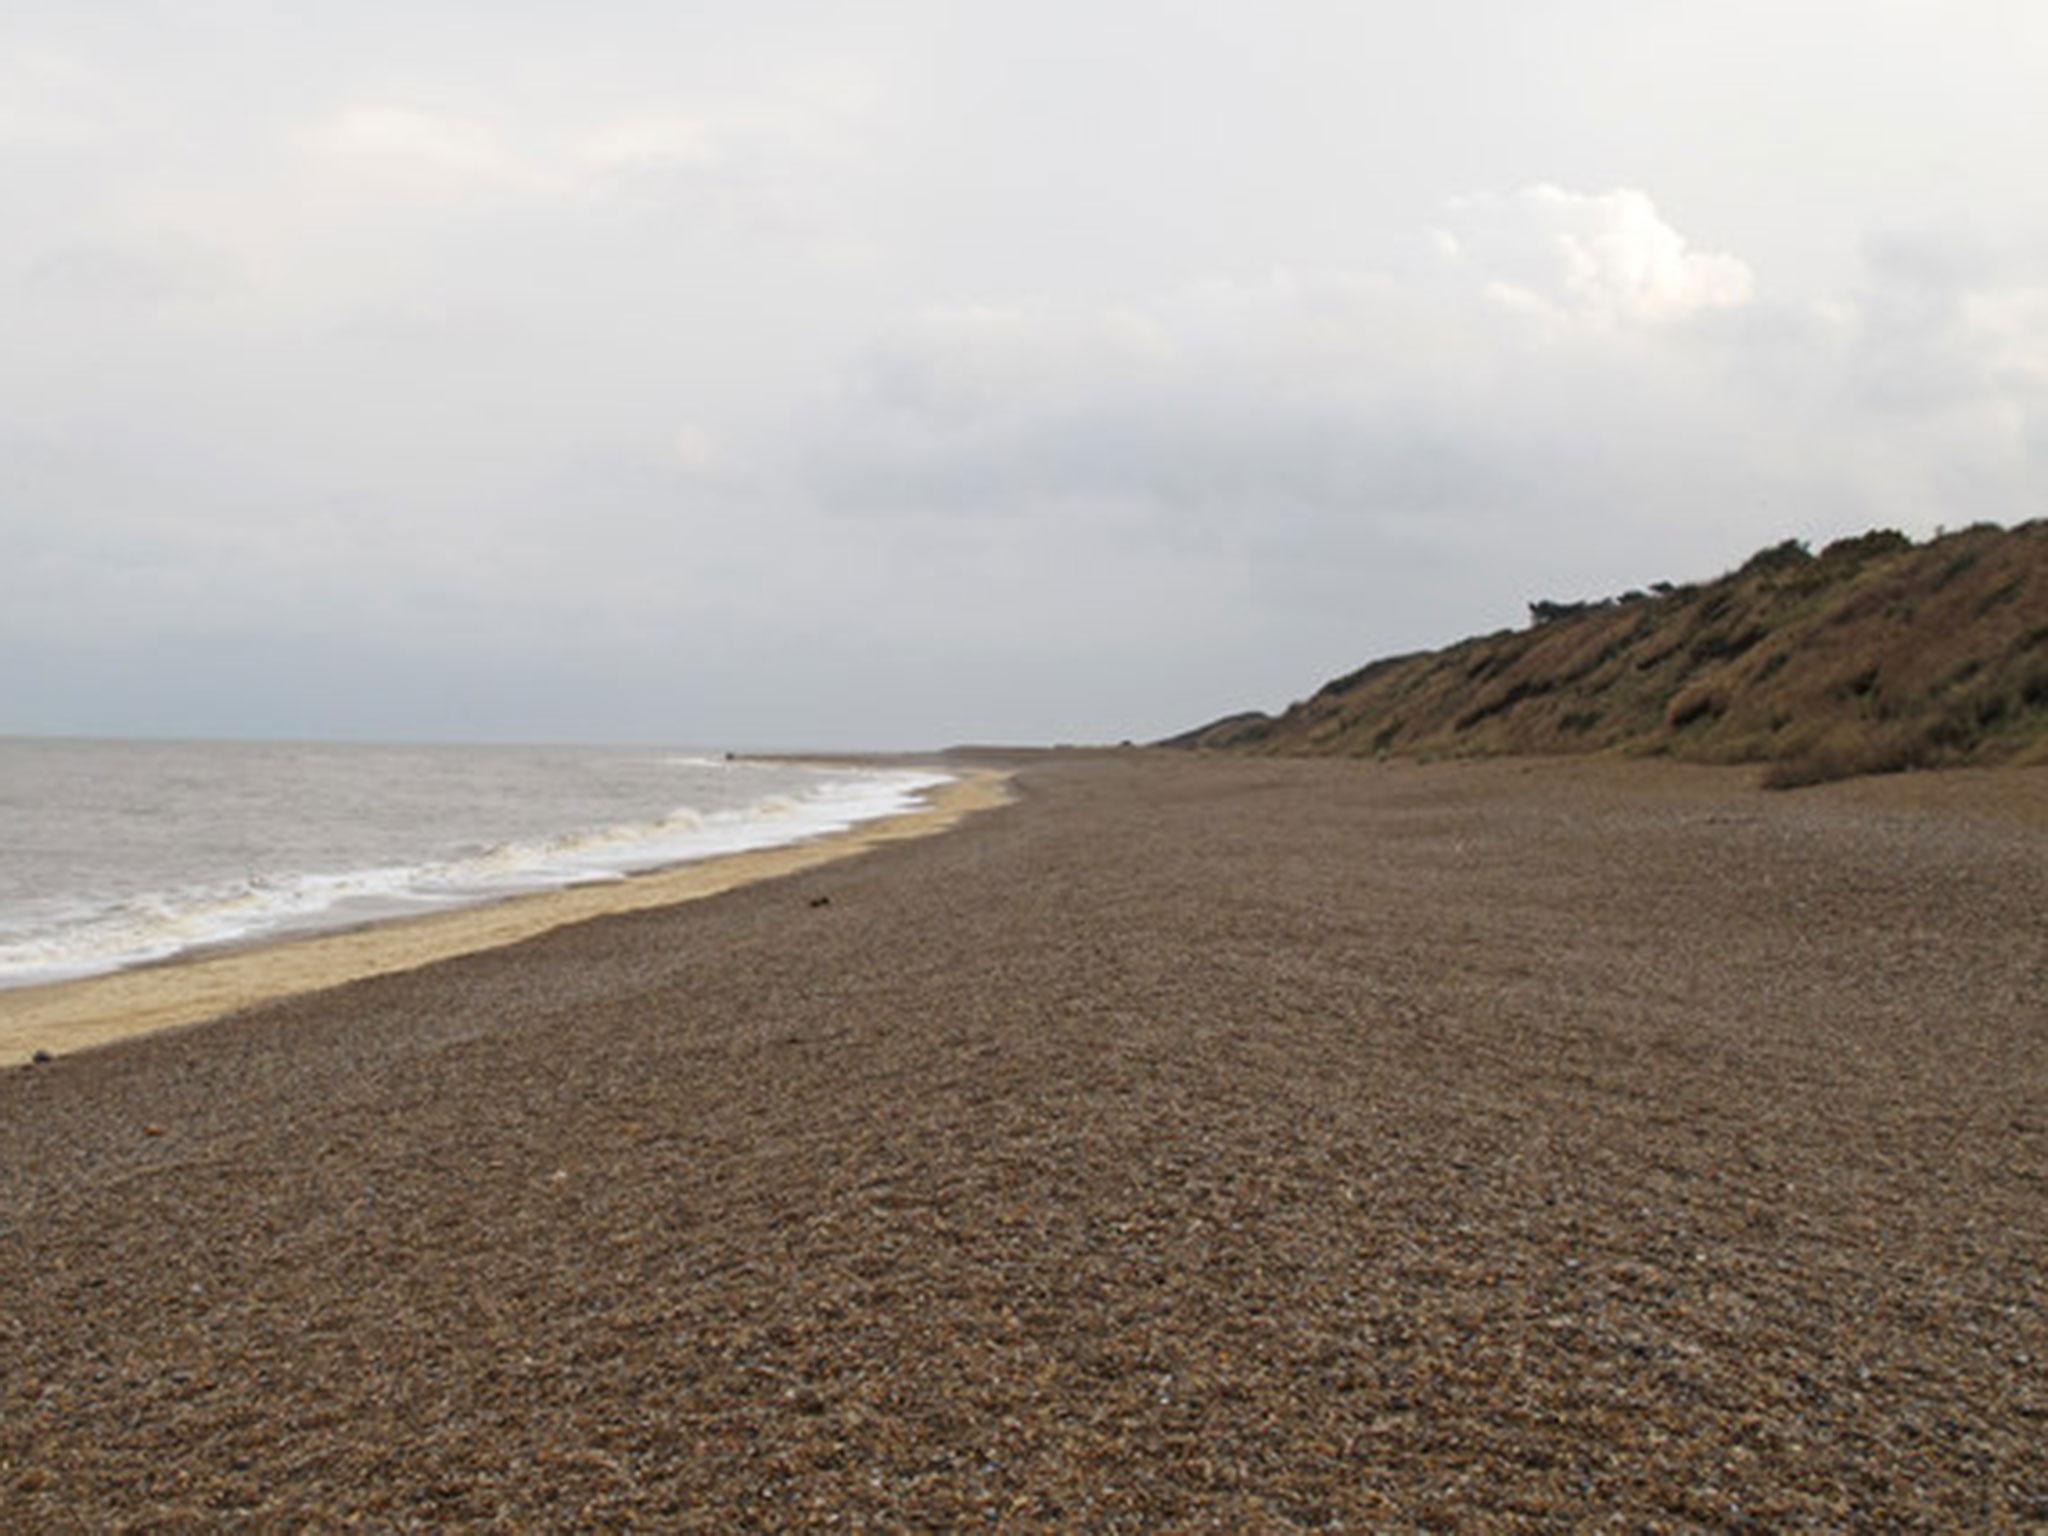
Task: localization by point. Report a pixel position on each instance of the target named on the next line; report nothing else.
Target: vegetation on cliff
(1874, 655)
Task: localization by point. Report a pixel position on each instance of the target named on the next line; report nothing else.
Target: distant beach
(1191, 1142)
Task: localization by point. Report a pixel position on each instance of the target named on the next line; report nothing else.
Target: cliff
(1874, 655)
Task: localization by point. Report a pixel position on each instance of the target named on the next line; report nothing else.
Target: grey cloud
(882, 374)
(174, 272)
(1937, 326)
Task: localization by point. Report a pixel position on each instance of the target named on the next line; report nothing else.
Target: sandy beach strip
(76, 1015)
(1193, 1144)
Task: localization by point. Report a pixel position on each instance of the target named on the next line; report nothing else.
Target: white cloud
(696, 448)
(1607, 257)
(412, 151)
(424, 153)
(648, 141)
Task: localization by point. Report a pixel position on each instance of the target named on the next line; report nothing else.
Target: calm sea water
(117, 852)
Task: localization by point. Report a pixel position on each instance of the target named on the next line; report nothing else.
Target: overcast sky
(832, 374)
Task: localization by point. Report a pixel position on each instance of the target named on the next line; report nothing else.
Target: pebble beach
(1192, 1143)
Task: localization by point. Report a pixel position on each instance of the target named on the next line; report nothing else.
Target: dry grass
(1874, 656)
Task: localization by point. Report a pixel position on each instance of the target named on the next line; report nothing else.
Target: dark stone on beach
(40, 1058)
(821, 901)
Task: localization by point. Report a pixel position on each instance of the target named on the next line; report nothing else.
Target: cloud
(658, 140)
(566, 381)
(424, 153)
(1936, 328)
(167, 271)
(411, 151)
(1365, 390)
(1607, 257)
(2010, 326)
(49, 97)
(696, 448)
(1314, 432)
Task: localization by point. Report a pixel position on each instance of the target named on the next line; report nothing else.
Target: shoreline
(205, 984)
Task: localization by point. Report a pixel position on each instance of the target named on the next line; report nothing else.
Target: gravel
(1198, 1143)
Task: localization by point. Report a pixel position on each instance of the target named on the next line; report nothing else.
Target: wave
(82, 938)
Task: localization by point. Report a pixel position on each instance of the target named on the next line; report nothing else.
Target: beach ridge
(1203, 1143)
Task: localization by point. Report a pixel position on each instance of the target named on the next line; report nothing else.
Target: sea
(117, 853)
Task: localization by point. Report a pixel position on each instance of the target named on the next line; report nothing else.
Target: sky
(790, 374)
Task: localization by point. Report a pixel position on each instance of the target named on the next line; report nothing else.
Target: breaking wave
(67, 939)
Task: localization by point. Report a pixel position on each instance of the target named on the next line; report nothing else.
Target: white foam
(78, 939)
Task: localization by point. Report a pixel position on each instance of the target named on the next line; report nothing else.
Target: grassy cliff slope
(1874, 655)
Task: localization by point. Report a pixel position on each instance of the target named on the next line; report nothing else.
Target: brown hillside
(1874, 655)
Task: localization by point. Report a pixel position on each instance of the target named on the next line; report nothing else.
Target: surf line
(56, 1019)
